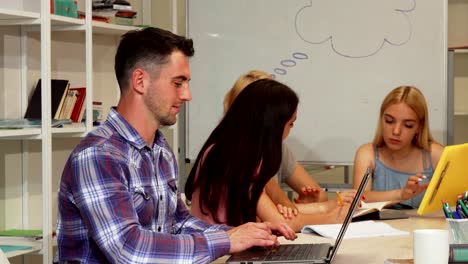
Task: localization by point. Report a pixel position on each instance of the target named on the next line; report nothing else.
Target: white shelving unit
(457, 72)
(36, 246)
(27, 25)
(458, 96)
(18, 17)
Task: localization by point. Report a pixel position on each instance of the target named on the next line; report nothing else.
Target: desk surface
(377, 249)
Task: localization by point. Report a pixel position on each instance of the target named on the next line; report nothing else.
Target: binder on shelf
(78, 109)
(58, 90)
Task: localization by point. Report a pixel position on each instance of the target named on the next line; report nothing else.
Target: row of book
(66, 102)
(113, 11)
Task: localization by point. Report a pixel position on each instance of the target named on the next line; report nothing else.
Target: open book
(377, 211)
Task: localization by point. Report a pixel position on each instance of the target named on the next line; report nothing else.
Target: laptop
(301, 253)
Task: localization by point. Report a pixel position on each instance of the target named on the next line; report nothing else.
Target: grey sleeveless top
(386, 178)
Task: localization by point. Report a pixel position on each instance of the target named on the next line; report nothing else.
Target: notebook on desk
(302, 253)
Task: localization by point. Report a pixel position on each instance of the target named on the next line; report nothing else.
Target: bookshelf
(35, 44)
(457, 72)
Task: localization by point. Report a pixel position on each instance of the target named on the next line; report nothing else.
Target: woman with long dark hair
(241, 155)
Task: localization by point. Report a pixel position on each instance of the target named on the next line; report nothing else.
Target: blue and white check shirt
(118, 203)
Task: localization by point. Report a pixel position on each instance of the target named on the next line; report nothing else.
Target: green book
(31, 233)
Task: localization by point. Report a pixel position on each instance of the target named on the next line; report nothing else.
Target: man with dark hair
(118, 199)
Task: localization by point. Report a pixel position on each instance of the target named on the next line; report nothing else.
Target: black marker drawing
(288, 63)
(354, 31)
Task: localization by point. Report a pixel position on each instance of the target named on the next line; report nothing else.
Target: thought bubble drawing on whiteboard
(288, 63)
(358, 28)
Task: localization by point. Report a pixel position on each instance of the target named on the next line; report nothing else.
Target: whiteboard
(341, 56)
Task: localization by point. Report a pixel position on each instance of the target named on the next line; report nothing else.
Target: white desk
(377, 249)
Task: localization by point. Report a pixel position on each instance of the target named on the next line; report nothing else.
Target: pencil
(340, 199)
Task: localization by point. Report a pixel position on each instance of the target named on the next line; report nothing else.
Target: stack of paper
(355, 230)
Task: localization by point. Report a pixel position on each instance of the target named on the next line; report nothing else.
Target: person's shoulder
(366, 149)
(365, 155)
(436, 151)
(101, 142)
(436, 147)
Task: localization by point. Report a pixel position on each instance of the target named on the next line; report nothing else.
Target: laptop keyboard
(298, 252)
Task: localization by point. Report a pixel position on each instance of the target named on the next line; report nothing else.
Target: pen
(447, 211)
(463, 207)
(340, 199)
(444, 210)
(460, 211)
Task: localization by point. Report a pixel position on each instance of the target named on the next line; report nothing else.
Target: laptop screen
(349, 216)
(322, 252)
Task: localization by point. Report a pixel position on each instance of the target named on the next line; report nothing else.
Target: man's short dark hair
(146, 48)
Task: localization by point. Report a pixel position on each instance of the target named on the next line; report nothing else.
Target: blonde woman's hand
(348, 195)
(413, 186)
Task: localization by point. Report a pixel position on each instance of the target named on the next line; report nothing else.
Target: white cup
(430, 246)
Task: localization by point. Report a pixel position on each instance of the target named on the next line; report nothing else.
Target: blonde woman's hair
(412, 97)
(240, 84)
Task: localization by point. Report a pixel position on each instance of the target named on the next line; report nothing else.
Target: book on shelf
(114, 12)
(122, 17)
(78, 109)
(58, 91)
(122, 6)
(97, 113)
(68, 8)
(109, 4)
(68, 104)
(30, 123)
(458, 47)
(378, 211)
(31, 234)
(11, 248)
(124, 21)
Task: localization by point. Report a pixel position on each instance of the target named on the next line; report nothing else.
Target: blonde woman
(403, 154)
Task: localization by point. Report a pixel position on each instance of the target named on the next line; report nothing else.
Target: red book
(78, 109)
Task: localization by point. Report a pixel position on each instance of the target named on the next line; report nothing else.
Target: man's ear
(139, 81)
